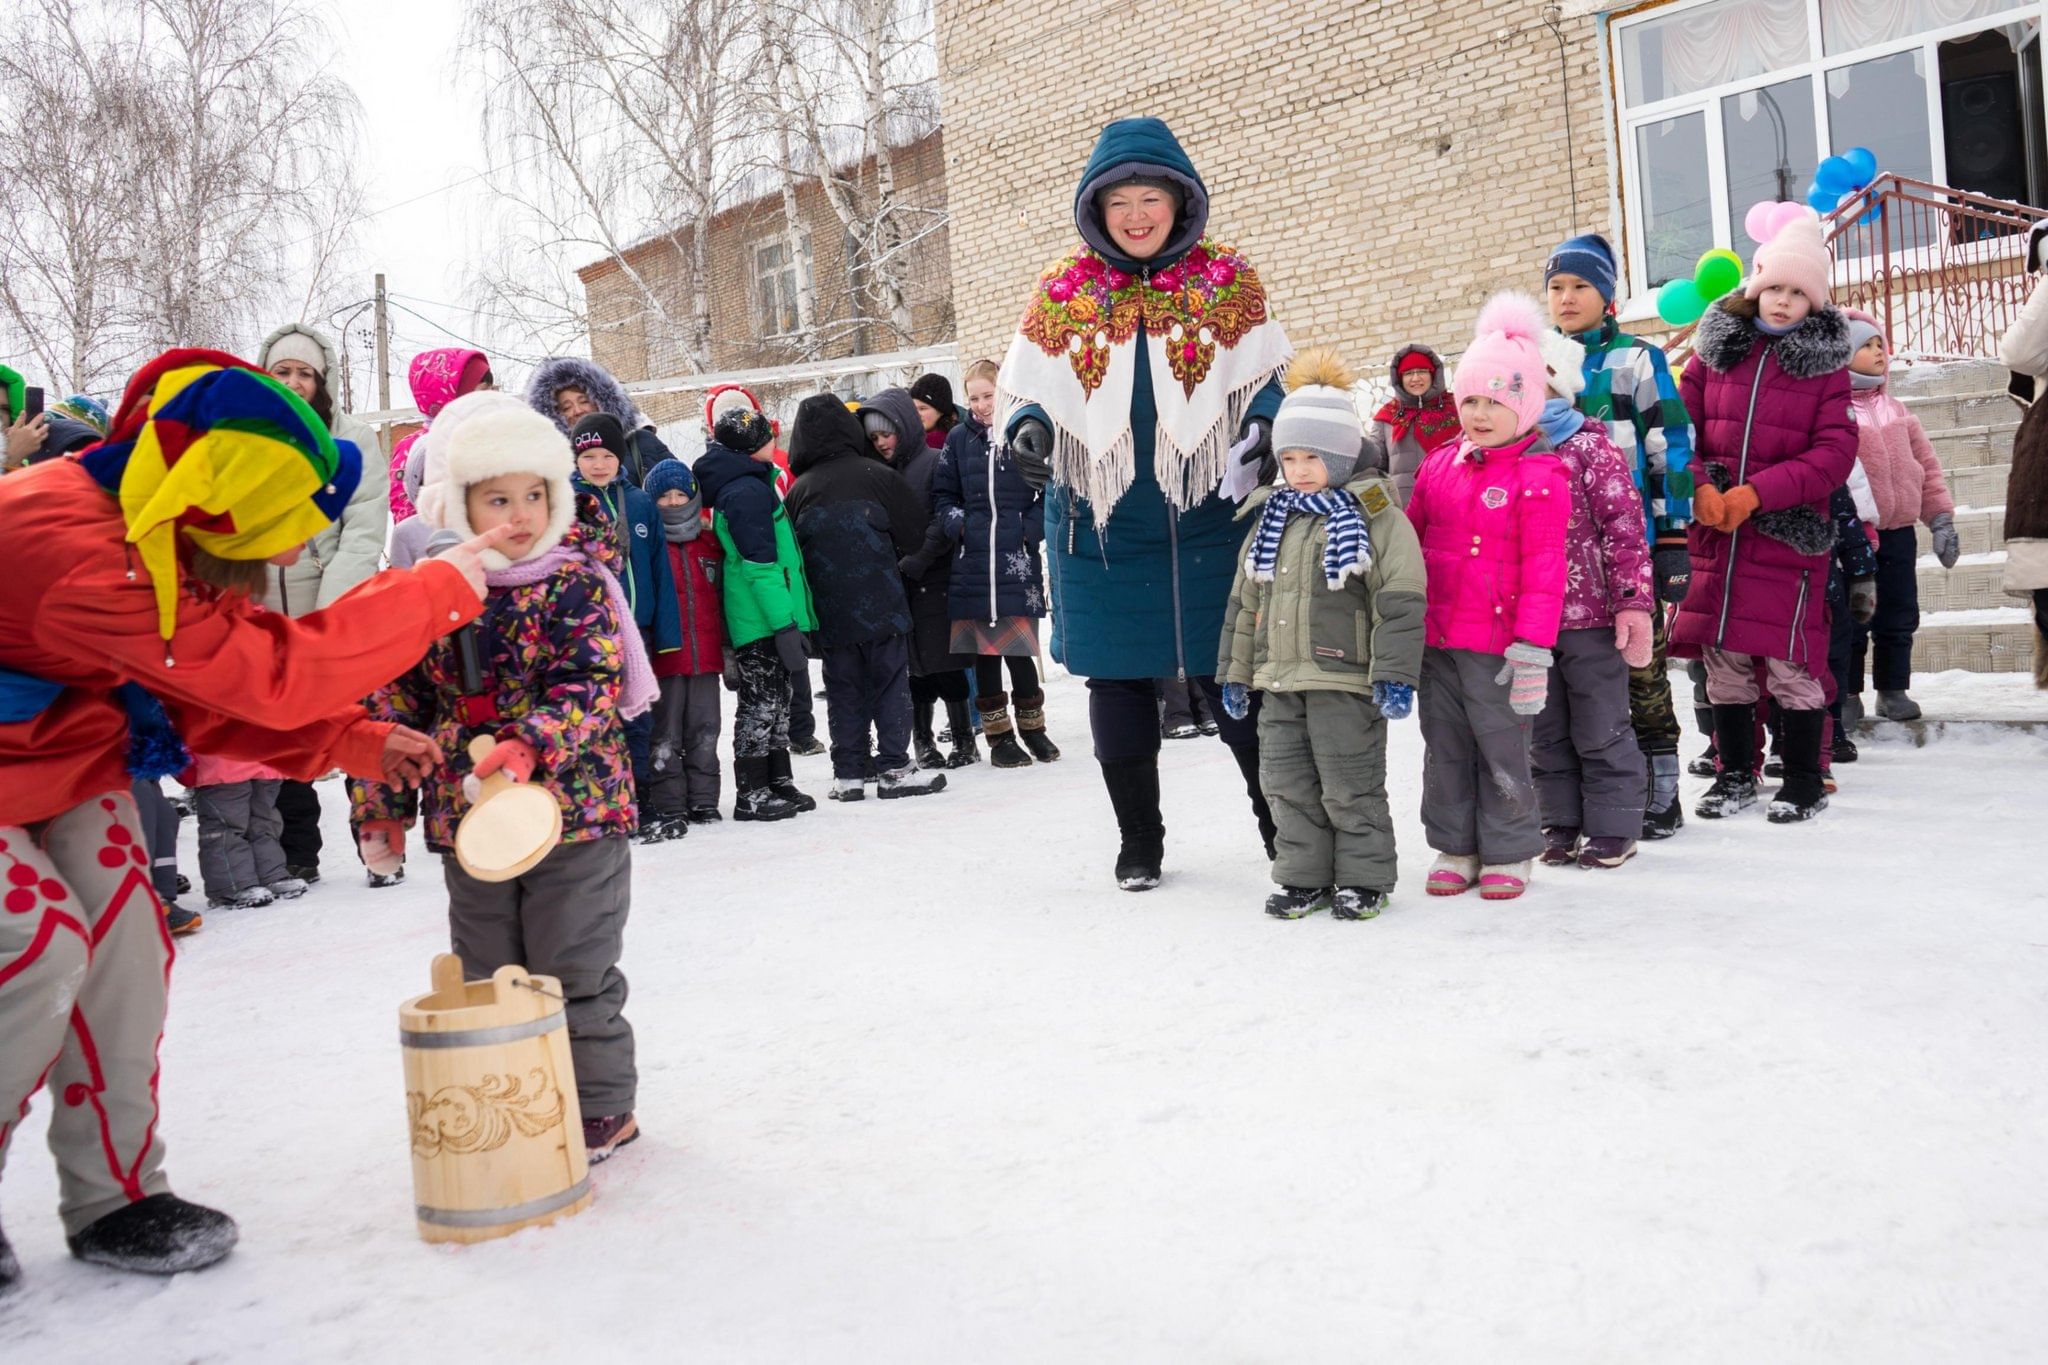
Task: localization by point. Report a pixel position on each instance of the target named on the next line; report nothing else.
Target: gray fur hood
(1817, 346)
(574, 372)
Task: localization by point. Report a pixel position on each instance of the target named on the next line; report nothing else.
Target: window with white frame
(776, 281)
(1727, 102)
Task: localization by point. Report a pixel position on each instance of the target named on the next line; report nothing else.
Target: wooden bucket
(497, 1134)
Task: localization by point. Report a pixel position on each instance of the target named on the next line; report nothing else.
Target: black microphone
(467, 657)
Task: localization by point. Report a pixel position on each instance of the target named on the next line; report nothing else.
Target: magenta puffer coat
(1775, 413)
(1492, 523)
(1607, 561)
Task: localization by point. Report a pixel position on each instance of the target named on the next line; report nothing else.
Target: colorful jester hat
(231, 458)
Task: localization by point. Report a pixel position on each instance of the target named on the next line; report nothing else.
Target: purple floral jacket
(552, 664)
(1607, 562)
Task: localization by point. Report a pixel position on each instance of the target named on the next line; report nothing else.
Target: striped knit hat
(1318, 413)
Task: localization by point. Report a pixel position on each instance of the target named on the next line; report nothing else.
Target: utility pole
(383, 367)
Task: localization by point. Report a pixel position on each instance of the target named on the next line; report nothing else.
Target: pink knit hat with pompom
(1796, 255)
(1505, 360)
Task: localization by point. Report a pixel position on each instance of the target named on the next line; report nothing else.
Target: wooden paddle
(512, 826)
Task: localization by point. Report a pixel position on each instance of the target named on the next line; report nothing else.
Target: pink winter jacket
(209, 771)
(436, 380)
(1492, 527)
(1607, 561)
(1904, 472)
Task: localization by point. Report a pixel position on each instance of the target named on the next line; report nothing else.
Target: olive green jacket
(1295, 634)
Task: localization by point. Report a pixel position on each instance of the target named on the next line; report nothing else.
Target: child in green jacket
(1325, 619)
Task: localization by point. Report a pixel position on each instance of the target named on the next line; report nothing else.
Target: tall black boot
(1708, 763)
(1803, 794)
(1134, 794)
(1031, 728)
(783, 785)
(1734, 788)
(755, 799)
(965, 750)
(923, 747)
(1247, 758)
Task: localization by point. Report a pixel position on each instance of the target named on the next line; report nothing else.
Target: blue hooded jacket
(649, 583)
(1145, 598)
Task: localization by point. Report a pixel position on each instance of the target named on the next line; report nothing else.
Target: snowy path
(920, 1085)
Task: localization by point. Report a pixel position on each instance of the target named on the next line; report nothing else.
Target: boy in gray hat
(1325, 618)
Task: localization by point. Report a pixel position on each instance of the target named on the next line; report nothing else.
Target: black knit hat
(936, 393)
(598, 429)
(742, 430)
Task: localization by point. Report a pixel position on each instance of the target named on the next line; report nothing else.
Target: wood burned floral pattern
(464, 1120)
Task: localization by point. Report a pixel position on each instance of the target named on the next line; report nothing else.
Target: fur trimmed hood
(1818, 346)
(1436, 376)
(574, 372)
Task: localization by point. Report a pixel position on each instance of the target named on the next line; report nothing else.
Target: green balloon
(1718, 273)
(1679, 303)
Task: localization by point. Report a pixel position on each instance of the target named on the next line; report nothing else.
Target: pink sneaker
(1505, 882)
(1452, 875)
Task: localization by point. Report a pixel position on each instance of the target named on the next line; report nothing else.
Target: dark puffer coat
(1774, 413)
(928, 571)
(999, 524)
(855, 518)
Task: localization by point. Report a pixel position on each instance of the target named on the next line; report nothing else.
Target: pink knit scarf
(638, 689)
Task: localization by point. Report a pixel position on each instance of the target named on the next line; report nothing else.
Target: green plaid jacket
(1630, 390)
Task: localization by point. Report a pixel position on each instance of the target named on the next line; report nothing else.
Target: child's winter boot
(783, 785)
(922, 747)
(1896, 705)
(181, 921)
(756, 800)
(1297, 902)
(848, 789)
(960, 726)
(1606, 851)
(1708, 763)
(1504, 881)
(1453, 874)
(1664, 814)
(247, 899)
(1734, 789)
(910, 781)
(288, 888)
(1560, 845)
(1134, 794)
(604, 1136)
(1356, 902)
(1031, 728)
(1804, 794)
(1003, 749)
(158, 1235)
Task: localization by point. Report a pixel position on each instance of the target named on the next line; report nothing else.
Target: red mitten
(1633, 637)
(513, 757)
(382, 846)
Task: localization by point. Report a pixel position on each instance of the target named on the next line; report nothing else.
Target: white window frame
(1642, 301)
(790, 273)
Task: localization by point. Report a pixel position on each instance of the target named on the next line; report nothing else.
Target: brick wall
(1385, 166)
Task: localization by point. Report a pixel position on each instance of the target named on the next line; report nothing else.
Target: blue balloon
(1862, 165)
(1835, 174)
(1821, 199)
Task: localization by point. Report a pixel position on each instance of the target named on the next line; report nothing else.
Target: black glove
(1261, 453)
(730, 674)
(913, 566)
(1672, 565)
(1031, 448)
(789, 648)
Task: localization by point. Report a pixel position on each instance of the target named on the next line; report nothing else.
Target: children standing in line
(1491, 513)
(1629, 390)
(684, 758)
(1906, 481)
(1420, 416)
(1769, 394)
(562, 663)
(1325, 620)
(767, 600)
(856, 518)
(1591, 781)
(241, 861)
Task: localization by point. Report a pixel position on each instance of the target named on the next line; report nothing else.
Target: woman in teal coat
(1145, 367)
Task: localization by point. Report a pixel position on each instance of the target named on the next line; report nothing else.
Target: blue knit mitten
(1237, 700)
(1395, 700)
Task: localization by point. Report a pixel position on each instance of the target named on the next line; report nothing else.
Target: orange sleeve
(261, 668)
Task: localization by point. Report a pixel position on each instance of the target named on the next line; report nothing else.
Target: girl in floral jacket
(1590, 778)
(562, 665)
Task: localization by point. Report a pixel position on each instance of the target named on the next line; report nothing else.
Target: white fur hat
(1565, 359)
(492, 441)
(423, 465)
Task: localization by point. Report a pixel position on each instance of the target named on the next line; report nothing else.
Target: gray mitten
(1948, 546)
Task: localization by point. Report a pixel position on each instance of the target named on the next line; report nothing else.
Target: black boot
(1803, 794)
(1247, 758)
(1134, 794)
(780, 782)
(923, 748)
(1003, 749)
(10, 1269)
(1708, 763)
(1031, 729)
(1734, 788)
(961, 726)
(160, 1235)
(755, 799)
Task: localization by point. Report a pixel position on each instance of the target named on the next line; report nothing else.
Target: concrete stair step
(1972, 585)
(1998, 640)
(1968, 447)
(1948, 379)
(1942, 412)
(1980, 528)
(1979, 485)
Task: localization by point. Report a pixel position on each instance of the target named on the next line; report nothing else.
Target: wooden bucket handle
(447, 974)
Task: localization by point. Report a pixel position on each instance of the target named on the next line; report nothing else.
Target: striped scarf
(1347, 549)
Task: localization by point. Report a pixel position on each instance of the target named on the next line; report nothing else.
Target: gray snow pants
(1590, 774)
(238, 836)
(1477, 796)
(566, 918)
(684, 761)
(1323, 767)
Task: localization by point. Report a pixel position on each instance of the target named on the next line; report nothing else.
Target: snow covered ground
(920, 1085)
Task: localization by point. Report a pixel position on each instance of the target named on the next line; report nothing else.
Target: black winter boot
(755, 799)
(1734, 788)
(923, 748)
(1803, 794)
(1003, 749)
(961, 726)
(1031, 729)
(1664, 812)
(1248, 764)
(1297, 902)
(1708, 763)
(10, 1269)
(160, 1235)
(1134, 794)
(780, 782)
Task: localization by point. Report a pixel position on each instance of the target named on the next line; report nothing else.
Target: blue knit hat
(669, 474)
(1588, 256)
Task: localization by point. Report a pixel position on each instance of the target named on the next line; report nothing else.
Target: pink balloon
(1785, 214)
(1757, 222)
